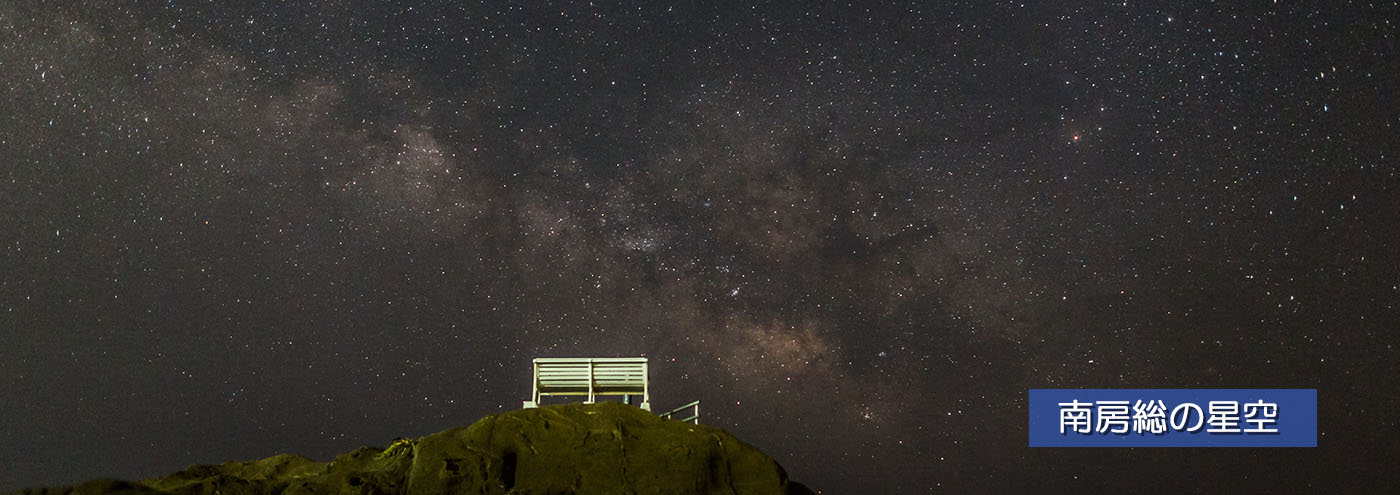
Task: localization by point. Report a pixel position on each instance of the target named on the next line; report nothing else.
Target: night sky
(857, 233)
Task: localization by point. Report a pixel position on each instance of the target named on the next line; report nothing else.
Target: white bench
(591, 377)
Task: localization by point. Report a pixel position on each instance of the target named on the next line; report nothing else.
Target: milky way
(858, 235)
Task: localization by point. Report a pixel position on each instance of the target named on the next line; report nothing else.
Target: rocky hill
(604, 448)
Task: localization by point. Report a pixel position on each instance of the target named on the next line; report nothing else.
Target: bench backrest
(591, 377)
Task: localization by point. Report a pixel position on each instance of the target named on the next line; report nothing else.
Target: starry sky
(858, 233)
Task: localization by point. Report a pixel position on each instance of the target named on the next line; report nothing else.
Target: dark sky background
(858, 233)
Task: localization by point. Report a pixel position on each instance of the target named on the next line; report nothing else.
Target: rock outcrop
(580, 449)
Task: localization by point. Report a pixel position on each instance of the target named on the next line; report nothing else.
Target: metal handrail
(695, 417)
